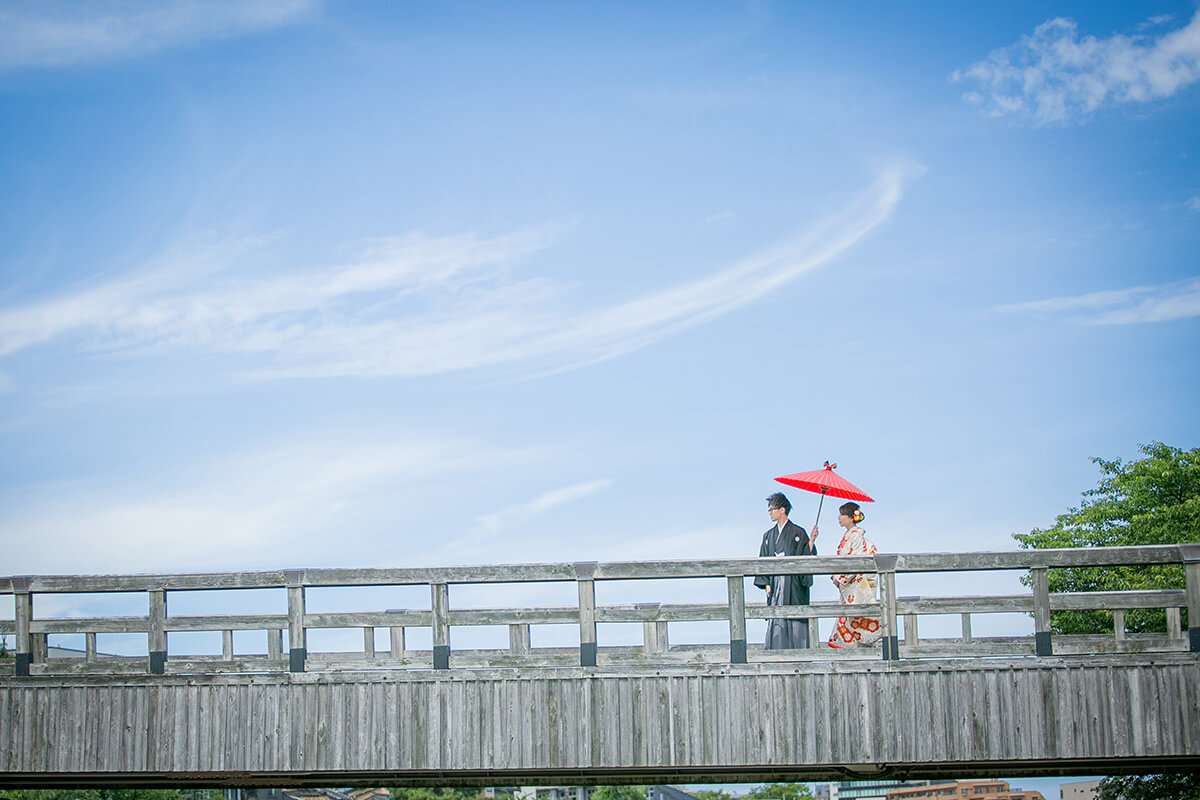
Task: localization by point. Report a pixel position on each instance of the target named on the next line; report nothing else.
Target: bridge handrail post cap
(886, 562)
(1190, 552)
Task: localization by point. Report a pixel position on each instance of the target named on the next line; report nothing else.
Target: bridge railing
(899, 616)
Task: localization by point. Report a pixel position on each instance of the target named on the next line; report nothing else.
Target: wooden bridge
(727, 711)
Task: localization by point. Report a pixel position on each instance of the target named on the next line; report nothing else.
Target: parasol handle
(818, 519)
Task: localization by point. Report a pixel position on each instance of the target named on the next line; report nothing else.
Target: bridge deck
(658, 712)
(725, 723)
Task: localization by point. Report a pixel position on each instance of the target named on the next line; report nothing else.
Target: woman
(854, 631)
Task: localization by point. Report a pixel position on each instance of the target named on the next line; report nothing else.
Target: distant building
(316, 794)
(1083, 790)
(861, 790)
(964, 790)
(554, 793)
(668, 793)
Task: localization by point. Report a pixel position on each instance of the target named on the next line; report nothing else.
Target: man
(785, 538)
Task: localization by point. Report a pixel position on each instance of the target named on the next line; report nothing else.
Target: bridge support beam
(440, 603)
(886, 565)
(584, 572)
(1191, 568)
(24, 615)
(158, 632)
(737, 619)
(1041, 612)
(296, 640)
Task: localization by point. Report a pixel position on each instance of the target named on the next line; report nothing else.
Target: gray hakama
(786, 590)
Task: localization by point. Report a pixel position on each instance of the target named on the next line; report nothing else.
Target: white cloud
(1193, 204)
(165, 306)
(1161, 19)
(53, 33)
(1161, 303)
(271, 505)
(490, 525)
(419, 306)
(1053, 76)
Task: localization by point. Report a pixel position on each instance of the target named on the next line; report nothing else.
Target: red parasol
(825, 482)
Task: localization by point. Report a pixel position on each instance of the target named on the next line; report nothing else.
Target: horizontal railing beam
(226, 622)
(91, 625)
(368, 619)
(514, 616)
(629, 570)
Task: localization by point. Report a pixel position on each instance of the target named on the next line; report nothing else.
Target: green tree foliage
(619, 793)
(780, 791)
(434, 792)
(1179, 786)
(112, 794)
(712, 794)
(1153, 500)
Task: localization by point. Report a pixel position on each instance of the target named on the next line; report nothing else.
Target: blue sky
(301, 283)
(317, 284)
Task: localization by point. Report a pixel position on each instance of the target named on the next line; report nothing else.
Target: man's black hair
(779, 500)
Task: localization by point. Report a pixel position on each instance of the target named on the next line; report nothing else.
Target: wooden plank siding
(751, 722)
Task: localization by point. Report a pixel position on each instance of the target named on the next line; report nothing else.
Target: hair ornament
(858, 515)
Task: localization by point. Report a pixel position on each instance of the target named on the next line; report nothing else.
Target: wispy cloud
(1161, 303)
(416, 305)
(1053, 76)
(517, 515)
(271, 505)
(54, 33)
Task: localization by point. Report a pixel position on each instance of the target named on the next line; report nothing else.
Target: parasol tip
(829, 466)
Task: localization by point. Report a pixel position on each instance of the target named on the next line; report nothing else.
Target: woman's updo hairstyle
(853, 511)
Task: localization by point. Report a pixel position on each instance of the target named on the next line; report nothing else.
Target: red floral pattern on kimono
(855, 631)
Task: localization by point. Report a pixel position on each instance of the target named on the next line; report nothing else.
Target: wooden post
(396, 636)
(227, 645)
(41, 648)
(1041, 612)
(89, 647)
(518, 640)
(885, 565)
(584, 572)
(654, 633)
(910, 625)
(441, 624)
(737, 619)
(23, 602)
(1191, 567)
(1119, 624)
(158, 631)
(297, 645)
(1174, 627)
(966, 627)
(369, 642)
(275, 644)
